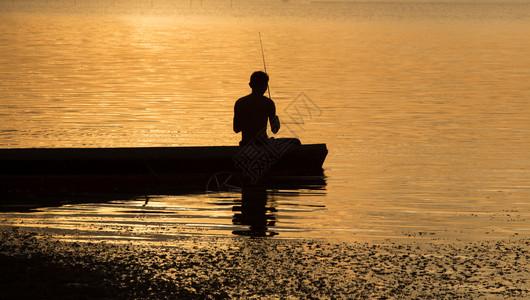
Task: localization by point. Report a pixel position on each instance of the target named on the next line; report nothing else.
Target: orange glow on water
(425, 114)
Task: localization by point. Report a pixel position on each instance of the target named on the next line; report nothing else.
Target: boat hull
(143, 168)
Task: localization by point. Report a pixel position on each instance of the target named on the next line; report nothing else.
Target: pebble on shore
(39, 265)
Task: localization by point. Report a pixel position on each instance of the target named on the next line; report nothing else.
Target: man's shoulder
(268, 99)
(244, 99)
(254, 99)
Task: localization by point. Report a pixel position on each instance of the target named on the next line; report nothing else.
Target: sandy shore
(37, 265)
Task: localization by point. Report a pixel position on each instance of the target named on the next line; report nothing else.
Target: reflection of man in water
(254, 213)
(252, 112)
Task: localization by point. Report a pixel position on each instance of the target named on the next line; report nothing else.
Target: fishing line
(264, 65)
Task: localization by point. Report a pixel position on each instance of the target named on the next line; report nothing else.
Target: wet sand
(39, 265)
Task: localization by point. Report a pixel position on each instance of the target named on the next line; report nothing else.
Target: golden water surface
(424, 107)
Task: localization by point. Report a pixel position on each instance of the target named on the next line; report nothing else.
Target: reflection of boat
(110, 168)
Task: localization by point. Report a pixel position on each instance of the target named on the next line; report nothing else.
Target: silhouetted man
(252, 112)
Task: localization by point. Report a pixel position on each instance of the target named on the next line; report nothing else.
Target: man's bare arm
(273, 118)
(237, 122)
(275, 124)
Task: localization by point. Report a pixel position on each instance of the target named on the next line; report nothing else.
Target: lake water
(424, 107)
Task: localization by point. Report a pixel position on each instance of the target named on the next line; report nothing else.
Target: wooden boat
(154, 166)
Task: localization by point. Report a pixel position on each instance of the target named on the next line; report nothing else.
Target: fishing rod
(275, 122)
(264, 65)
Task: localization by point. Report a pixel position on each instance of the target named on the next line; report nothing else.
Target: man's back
(251, 114)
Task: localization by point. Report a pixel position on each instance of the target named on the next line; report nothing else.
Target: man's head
(259, 81)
